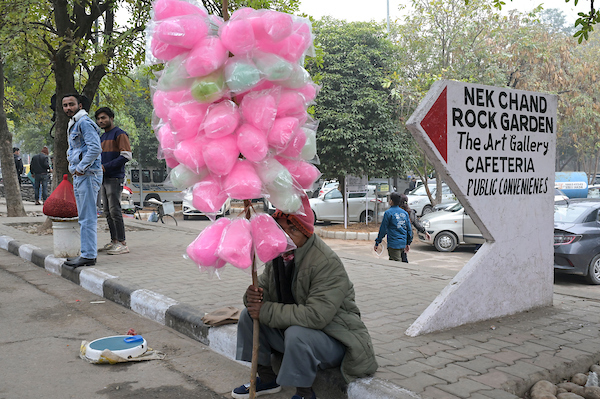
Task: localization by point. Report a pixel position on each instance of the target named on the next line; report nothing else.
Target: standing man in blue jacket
(396, 224)
(84, 164)
(116, 152)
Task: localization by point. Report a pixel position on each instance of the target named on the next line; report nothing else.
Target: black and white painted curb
(184, 319)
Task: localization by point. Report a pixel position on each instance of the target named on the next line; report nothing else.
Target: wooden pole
(256, 323)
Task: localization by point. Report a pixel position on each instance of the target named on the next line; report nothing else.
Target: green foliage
(359, 132)
(585, 22)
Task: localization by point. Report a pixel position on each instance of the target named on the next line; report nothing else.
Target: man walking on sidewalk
(116, 152)
(84, 163)
(40, 167)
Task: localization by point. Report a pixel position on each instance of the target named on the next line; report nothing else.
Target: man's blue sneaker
(314, 396)
(243, 391)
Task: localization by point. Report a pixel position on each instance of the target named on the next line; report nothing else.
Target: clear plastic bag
(236, 244)
(270, 240)
(380, 248)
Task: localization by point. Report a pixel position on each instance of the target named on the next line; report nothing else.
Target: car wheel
(445, 242)
(427, 209)
(315, 215)
(593, 276)
(362, 217)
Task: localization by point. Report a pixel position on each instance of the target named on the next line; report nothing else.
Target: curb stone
(188, 320)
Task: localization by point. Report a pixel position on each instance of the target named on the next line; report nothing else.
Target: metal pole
(388, 17)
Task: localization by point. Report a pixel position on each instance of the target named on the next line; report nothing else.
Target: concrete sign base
(495, 148)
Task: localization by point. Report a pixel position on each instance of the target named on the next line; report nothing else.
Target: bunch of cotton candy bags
(234, 126)
(235, 242)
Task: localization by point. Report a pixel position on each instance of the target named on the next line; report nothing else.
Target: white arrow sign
(495, 148)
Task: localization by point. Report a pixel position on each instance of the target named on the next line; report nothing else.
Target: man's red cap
(305, 223)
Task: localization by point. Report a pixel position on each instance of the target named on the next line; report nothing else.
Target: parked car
(559, 195)
(419, 201)
(450, 228)
(594, 191)
(327, 187)
(189, 210)
(577, 238)
(329, 207)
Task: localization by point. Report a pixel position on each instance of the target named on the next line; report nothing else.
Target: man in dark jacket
(306, 308)
(116, 152)
(18, 162)
(40, 167)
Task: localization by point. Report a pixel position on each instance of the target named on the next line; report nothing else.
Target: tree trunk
(65, 84)
(12, 189)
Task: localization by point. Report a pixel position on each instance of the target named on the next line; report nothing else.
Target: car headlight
(425, 224)
(564, 239)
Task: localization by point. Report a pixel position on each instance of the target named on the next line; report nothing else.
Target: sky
(377, 9)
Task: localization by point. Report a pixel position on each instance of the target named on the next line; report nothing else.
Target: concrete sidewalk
(501, 358)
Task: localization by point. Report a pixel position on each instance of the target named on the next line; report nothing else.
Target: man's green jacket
(324, 301)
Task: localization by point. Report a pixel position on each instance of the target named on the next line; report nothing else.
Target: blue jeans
(112, 187)
(86, 189)
(41, 179)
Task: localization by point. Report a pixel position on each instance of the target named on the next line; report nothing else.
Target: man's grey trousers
(304, 350)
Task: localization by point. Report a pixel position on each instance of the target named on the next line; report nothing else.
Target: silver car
(329, 207)
(450, 228)
(419, 201)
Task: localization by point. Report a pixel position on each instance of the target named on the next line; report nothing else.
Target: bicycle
(162, 215)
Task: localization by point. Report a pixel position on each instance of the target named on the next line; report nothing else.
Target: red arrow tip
(435, 124)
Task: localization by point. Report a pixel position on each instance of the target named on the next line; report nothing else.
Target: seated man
(305, 304)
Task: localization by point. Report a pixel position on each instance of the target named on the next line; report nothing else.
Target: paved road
(45, 318)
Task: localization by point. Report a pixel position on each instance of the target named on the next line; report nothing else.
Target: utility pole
(388, 17)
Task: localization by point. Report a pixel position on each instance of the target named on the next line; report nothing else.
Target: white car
(450, 228)
(329, 207)
(327, 187)
(419, 201)
(189, 210)
(560, 196)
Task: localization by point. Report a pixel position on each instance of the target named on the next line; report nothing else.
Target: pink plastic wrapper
(294, 149)
(292, 103)
(207, 56)
(221, 154)
(189, 153)
(309, 91)
(182, 31)
(166, 138)
(207, 196)
(270, 240)
(187, 119)
(236, 244)
(271, 25)
(164, 51)
(203, 250)
(282, 132)
(291, 48)
(304, 173)
(221, 120)
(243, 182)
(252, 143)
(171, 8)
(164, 100)
(170, 161)
(237, 36)
(260, 108)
